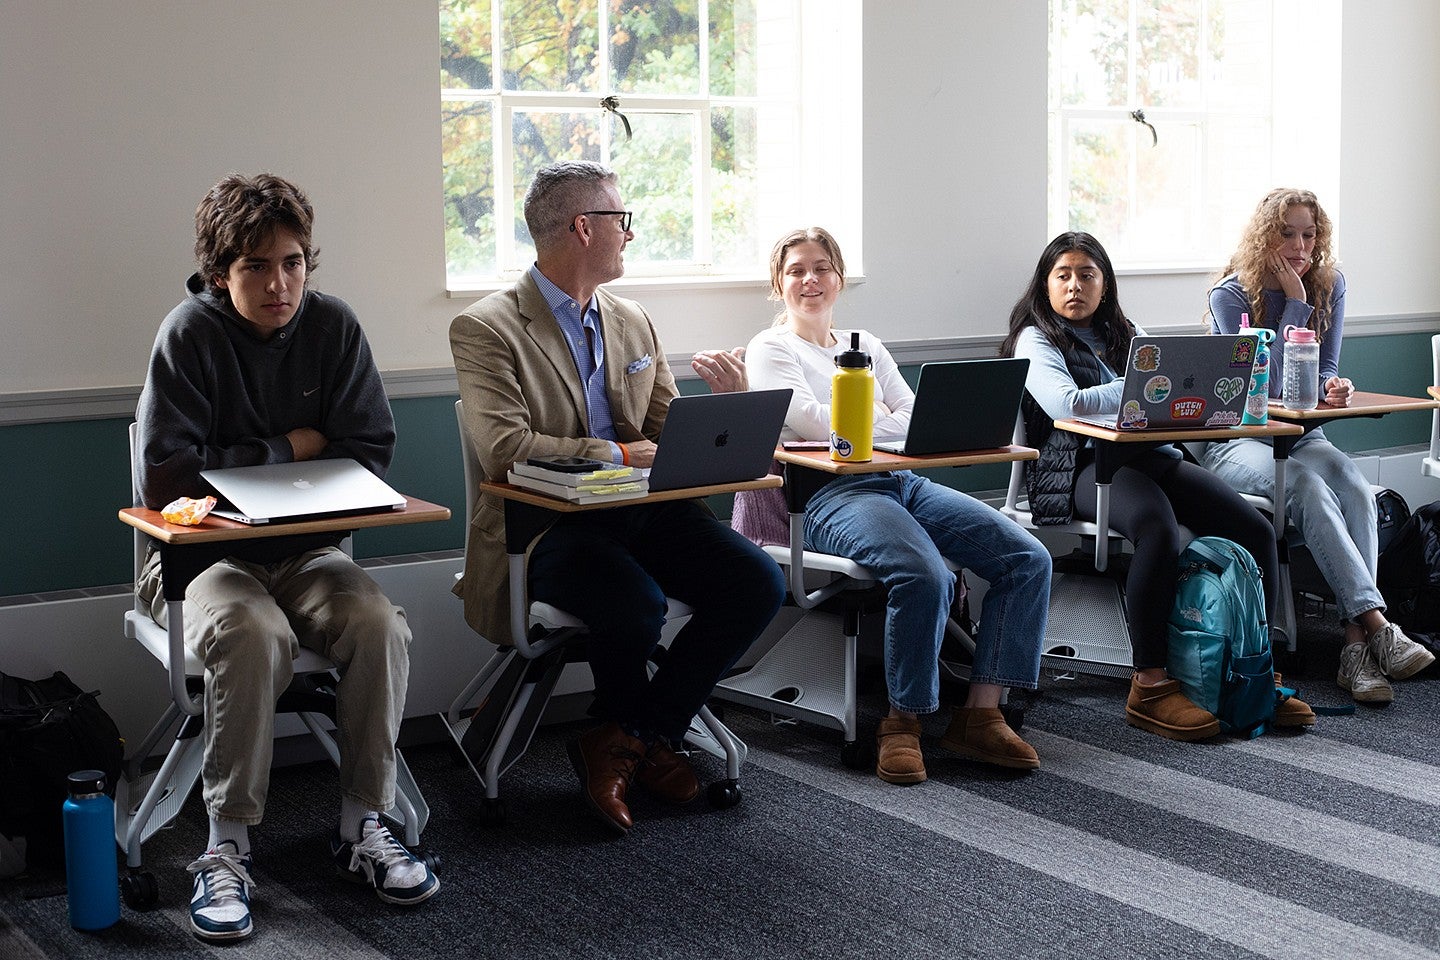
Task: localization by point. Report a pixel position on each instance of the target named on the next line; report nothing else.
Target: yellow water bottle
(852, 405)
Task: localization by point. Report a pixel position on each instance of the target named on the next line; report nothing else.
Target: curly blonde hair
(1261, 235)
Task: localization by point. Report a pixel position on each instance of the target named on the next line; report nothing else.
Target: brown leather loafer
(605, 758)
(668, 775)
(981, 733)
(897, 743)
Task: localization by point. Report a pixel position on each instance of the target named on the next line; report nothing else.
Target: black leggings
(1150, 498)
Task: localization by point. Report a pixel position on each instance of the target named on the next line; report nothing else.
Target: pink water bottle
(1301, 387)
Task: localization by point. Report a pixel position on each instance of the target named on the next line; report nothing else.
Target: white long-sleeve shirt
(778, 357)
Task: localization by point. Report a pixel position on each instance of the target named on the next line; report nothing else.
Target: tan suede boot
(897, 745)
(1293, 712)
(981, 733)
(1165, 710)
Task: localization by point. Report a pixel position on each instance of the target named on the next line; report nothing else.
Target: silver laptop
(962, 405)
(280, 492)
(718, 438)
(1180, 381)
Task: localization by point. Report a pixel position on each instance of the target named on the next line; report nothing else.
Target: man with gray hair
(557, 366)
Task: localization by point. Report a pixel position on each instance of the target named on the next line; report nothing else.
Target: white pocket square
(635, 366)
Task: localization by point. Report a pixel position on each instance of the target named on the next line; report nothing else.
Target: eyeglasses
(626, 217)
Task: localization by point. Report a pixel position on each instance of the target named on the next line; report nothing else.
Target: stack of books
(590, 486)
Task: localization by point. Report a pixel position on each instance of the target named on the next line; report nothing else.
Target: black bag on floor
(1391, 515)
(1410, 576)
(48, 730)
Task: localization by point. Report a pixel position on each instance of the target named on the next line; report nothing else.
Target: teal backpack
(1219, 640)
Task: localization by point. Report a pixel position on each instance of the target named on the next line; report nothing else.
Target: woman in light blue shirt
(1283, 273)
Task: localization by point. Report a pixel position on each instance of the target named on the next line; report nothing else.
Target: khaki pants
(245, 621)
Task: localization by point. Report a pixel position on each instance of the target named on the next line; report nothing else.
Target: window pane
(1097, 157)
(655, 46)
(543, 137)
(1239, 77)
(551, 46)
(465, 45)
(467, 151)
(1168, 195)
(1090, 63)
(1167, 55)
(657, 177)
(734, 187)
(733, 35)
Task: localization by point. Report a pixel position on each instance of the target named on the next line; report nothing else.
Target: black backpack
(48, 730)
(1409, 576)
(1391, 515)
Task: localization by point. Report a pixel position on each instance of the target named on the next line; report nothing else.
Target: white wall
(115, 118)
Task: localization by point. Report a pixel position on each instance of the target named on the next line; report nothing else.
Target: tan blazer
(523, 398)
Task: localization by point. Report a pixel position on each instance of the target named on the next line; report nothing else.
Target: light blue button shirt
(588, 354)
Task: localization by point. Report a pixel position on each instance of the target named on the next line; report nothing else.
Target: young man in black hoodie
(255, 367)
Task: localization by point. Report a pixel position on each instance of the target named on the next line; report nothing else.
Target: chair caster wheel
(1014, 716)
(856, 754)
(724, 794)
(430, 858)
(139, 890)
(491, 812)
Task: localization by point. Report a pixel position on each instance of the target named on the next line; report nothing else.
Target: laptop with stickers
(1174, 382)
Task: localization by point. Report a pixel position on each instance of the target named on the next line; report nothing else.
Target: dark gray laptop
(279, 492)
(962, 405)
(718, 438)
(1179, 381)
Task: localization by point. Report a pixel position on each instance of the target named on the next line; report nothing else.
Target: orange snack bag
(186, 511)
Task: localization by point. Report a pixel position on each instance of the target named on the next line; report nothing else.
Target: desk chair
(1092, 636)
(147, 800)
(800, 677)
(515, 684)
(1430, 466)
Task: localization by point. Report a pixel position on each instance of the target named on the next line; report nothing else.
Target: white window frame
(1302, 142)
(808, 107)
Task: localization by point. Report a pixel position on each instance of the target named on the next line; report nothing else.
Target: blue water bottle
(91, 869)
(1257, 401)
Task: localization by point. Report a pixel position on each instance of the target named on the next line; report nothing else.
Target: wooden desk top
(1362, 404)
(509, 491)
(215, 529)
(1271, 429)
(882, 462)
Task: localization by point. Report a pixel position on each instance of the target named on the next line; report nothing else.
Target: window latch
(612, 105)
(1139, 117)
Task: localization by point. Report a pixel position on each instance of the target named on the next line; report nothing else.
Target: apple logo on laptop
(722, 439)
(303, 484)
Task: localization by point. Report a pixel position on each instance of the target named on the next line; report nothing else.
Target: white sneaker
(381, 861)
(1399, 656)
(1360, 674)
(220, 905)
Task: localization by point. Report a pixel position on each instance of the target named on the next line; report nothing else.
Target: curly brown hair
(1262, 235)
(240, 214)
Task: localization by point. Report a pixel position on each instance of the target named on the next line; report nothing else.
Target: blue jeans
(1327, 499)
(614, 568)
(903, 527)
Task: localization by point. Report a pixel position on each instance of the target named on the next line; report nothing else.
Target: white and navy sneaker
(380, 860)
(220, 905)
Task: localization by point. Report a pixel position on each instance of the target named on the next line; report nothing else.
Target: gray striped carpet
(1322, 844)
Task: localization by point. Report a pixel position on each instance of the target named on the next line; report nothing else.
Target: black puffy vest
(1050, 480)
